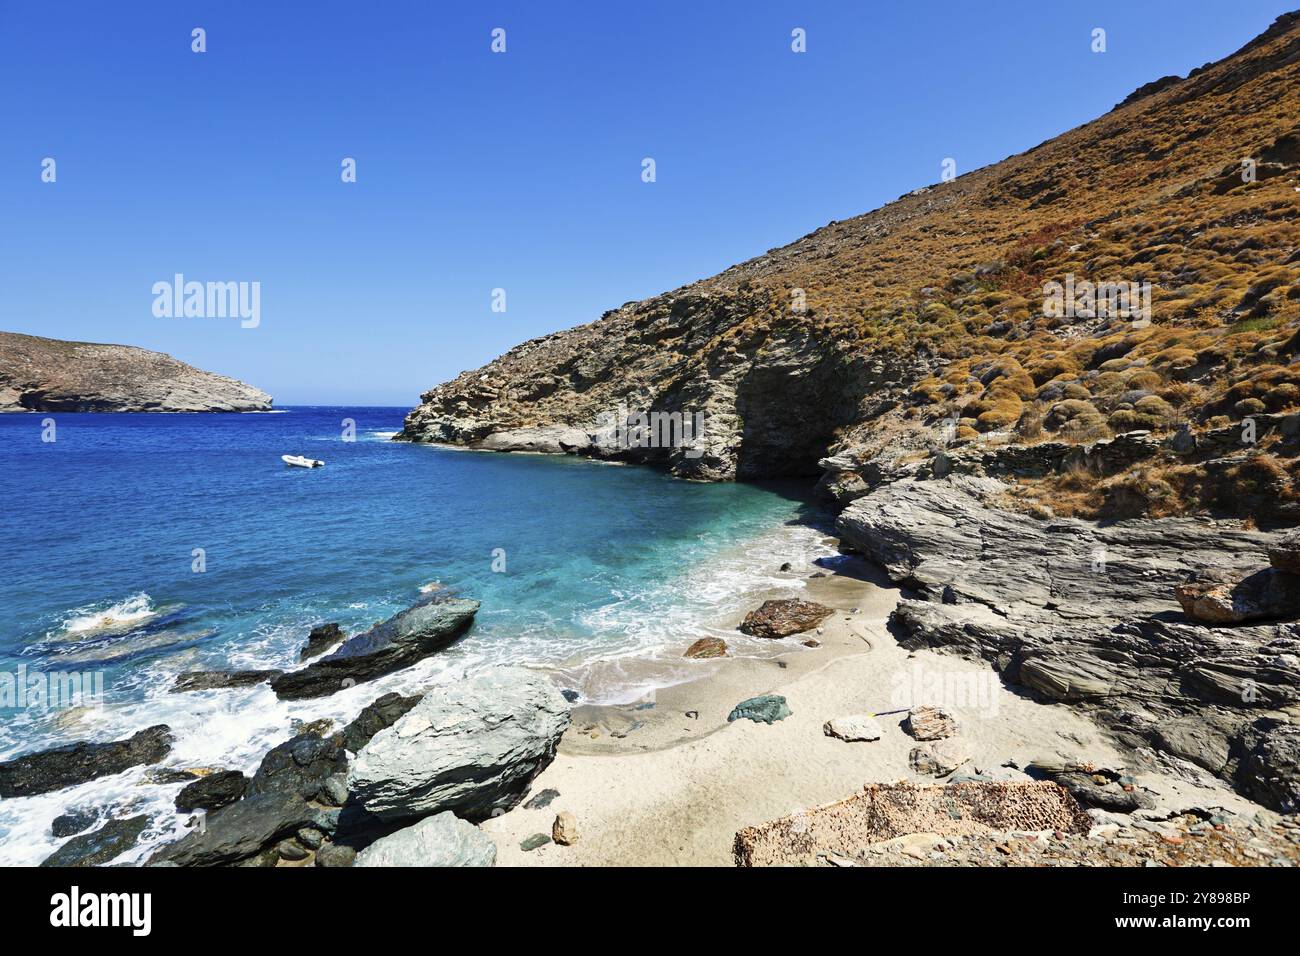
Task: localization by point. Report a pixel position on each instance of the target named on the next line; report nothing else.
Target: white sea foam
(624, 650)
(93, 621)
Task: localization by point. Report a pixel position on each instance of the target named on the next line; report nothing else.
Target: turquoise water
(601, 574)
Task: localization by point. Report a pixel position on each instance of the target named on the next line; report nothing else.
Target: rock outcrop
(1085, 613)
(471, 747)
(72, 764)
(299, 785)
(50, 375)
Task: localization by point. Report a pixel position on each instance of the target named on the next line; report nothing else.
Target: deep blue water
(608, 571)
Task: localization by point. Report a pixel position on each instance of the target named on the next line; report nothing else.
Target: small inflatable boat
(298, 461)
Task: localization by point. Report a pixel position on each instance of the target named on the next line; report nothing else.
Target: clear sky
(478, 171)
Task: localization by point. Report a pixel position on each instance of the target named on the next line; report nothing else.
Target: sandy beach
(651, 786)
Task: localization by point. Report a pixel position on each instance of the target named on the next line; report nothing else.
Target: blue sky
(478, 171)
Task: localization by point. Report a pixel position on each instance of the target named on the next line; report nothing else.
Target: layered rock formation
(49, 375)
(1086, 614)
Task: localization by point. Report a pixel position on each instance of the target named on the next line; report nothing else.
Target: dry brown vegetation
(1153, 192)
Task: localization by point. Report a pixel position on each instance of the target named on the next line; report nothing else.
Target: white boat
(300, 462)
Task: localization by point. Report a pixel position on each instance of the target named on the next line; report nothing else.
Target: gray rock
(1085, 614)
(320, 640)
(73, 822)
(335, 855)
(217, 680)
(939, 758)
(1284, 553)
(542, 799)
(853, 727)
(374, 717)
(534, 842)
(406, 637)
(439, 840)
(212, 791)
(72, 764)
(471, 746)
(285, 795)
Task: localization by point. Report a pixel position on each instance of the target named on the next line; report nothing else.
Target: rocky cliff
(49, 375)
(926, 323)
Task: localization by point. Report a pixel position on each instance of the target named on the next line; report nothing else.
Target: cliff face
(923, 325)
(48, 375)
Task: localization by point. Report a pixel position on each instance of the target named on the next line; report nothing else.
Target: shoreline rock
(472, 747)
(73, 764)
(783, 617)
(408, 636)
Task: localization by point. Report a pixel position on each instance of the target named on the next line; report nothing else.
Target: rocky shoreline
(413, 778)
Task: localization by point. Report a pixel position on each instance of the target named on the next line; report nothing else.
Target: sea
(136, 547)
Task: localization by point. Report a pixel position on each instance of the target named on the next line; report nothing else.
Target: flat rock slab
(406, 637)
(72, 764)
(885, 811)
(853, 727)
(217, 680)
(781, 618)
(100, 846)
(765, 709)
(439, 840)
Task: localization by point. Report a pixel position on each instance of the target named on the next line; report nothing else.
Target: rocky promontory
(50, 375)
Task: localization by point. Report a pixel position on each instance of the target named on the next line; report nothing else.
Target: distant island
(48, 375)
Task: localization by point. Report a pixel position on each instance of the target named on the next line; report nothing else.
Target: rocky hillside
(918, 336)
(49, 375)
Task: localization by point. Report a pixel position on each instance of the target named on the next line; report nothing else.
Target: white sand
(675, 790)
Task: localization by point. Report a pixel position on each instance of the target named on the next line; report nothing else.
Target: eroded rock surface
(1085, 613)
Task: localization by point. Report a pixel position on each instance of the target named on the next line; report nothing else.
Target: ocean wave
(96, 621)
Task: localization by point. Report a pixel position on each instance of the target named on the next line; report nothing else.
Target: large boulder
(398, 642)
(439, 840)
(471, 747)
(784, 617)
(1218, 598)
(72, 764)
